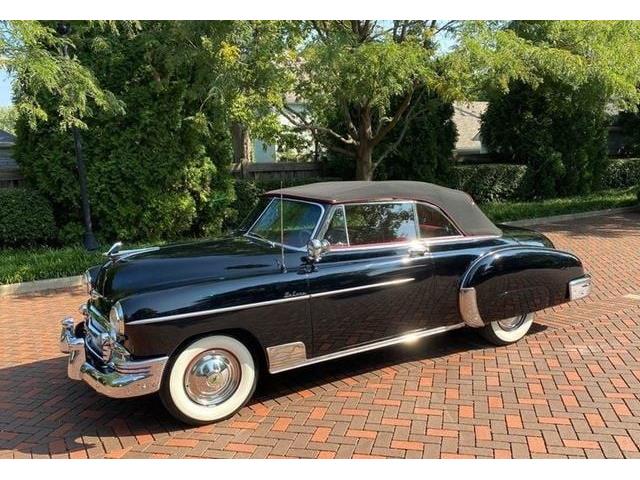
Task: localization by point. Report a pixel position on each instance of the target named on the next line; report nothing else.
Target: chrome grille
(132, 369)
(99, 334)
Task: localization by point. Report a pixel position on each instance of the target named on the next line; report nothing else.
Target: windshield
(299, 220)
(253, 215)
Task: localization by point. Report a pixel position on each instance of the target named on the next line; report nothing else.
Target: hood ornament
(114, 250)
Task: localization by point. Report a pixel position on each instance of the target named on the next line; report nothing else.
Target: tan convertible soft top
(458, 205)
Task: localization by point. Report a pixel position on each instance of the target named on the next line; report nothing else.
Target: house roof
(457, 204)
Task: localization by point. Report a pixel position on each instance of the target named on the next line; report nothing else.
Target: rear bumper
(120, 377)
(580, 287)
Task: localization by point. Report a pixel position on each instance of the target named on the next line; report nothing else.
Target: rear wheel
(209, 380)
(509, 330)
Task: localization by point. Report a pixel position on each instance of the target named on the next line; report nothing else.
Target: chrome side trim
(469, 307)
(114, 253)
(219, 310)
(433, 241)
(267, 303)
(400, 281)
(282, 362)
(135, 251)
(283, 356)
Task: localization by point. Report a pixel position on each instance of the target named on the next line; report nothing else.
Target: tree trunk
(364, 151)
(241, 143)
(88, 239)
(364, 162)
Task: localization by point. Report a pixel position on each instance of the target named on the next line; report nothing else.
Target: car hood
(186, 263)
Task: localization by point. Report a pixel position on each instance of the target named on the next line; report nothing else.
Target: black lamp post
(88, 239)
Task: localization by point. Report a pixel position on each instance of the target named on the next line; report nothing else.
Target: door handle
(418, 250)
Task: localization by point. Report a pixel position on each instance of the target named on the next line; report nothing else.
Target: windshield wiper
(260, 237)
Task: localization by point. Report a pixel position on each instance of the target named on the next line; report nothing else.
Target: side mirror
(316, 248)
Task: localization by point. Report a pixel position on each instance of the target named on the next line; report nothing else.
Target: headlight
(86, 281)
(116, 318)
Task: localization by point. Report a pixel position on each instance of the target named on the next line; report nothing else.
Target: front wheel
(209, 380)
(510, 330)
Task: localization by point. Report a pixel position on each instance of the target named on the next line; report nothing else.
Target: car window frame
(427, 240)
(319, 223)
(445, 216)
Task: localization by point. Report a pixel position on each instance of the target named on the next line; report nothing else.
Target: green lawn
(39, 263)
(507, 211)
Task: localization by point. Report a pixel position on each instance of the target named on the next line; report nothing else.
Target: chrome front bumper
(120, 377)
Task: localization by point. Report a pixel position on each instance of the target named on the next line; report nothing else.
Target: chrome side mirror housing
(316, 248)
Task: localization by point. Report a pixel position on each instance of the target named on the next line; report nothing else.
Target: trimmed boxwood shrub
(490, 182)
(622, 172)
(26, 218)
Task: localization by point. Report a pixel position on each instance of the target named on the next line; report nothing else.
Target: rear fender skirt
(515, 280)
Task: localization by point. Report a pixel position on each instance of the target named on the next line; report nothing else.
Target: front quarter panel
(158, 322)
(518, 280)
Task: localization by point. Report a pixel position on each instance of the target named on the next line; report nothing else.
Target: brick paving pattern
(571, 388)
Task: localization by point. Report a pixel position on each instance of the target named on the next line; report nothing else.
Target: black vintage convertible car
(318, 272)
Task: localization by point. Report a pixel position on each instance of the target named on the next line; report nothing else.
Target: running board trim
(294, 355)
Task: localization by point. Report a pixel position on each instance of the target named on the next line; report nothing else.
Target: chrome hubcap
(512, 323)
(212, 377)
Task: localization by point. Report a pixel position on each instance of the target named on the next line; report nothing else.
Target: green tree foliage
(558, 131)
(557, 123)
(158, 171)
(252, 76)
(359, 67)
(8, 119)
(422, 148)
(33, 52)
(425, 155)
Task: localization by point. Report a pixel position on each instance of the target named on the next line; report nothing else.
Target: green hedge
(26, 218)
(622, 172)
(495, 182)
(490, 182)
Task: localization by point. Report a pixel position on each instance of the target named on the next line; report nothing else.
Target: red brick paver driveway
(571, 388)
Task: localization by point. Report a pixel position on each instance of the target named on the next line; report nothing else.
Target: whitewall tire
(510, 330)
(209, 380)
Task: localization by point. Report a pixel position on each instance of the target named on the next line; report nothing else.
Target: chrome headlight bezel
(116, 318)
(86, 281)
